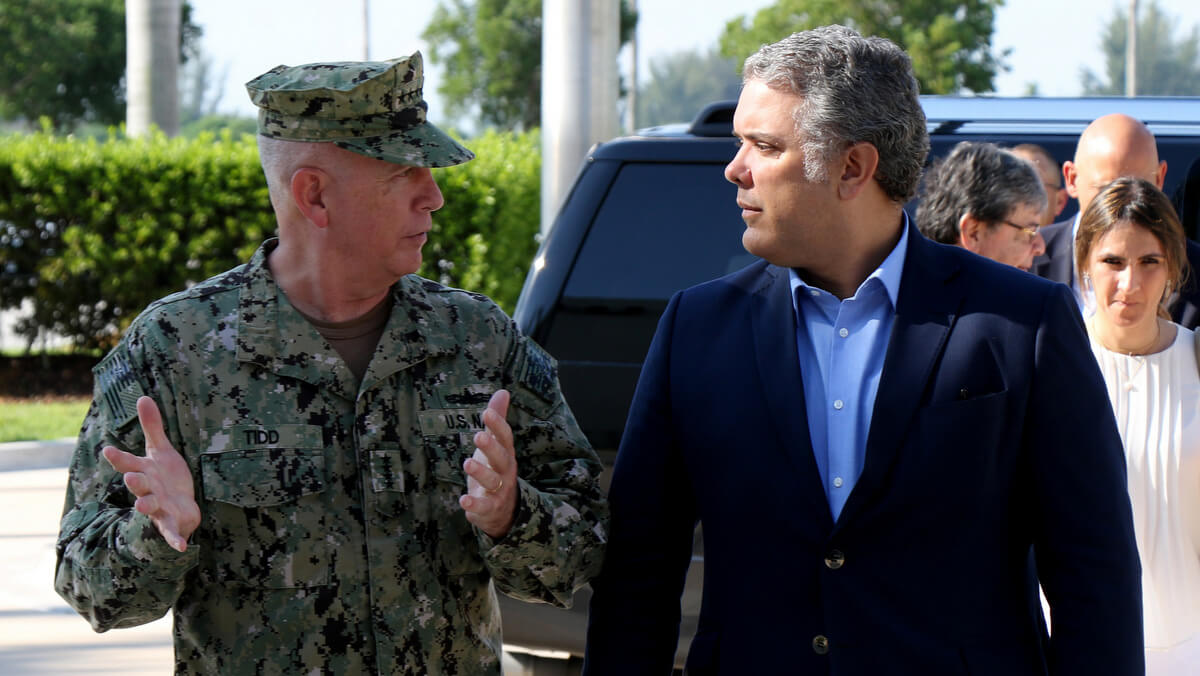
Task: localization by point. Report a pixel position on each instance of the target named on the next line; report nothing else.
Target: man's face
(1100, 163)
(1012, 245)
(1051, 178)
(789, 212)
(382, 213)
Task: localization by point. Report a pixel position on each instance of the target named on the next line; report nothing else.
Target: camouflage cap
(373, 108)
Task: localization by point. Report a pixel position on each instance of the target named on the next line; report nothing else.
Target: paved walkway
(39, 633)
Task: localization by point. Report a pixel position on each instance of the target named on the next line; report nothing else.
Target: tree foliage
(92, 231)
(950, 42)
(65, 60)
(485, 236)
(1166, 65)
(491, 51)
(681, 84)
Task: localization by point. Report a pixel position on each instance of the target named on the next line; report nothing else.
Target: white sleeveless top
(1156, 399)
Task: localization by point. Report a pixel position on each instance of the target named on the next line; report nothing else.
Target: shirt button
(838, 404)
(837, 482)
(814, 293)
(820, 645)
(843, 332)
(834, 559)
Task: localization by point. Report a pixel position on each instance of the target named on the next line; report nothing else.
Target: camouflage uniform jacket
(331, 538)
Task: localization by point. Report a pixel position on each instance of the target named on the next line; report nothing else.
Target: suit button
(834, 559)
(820, 645)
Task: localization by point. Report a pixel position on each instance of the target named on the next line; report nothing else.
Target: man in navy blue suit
(879, 434)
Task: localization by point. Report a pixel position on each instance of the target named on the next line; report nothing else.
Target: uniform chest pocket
(450, 539)
(265, 517)
(263, 478)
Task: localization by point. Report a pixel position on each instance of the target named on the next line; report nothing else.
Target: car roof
(1165, 116)
(972, 115)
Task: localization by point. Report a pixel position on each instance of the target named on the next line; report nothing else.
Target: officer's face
(384, 214)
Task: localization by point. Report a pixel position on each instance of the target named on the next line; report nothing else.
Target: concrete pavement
(39, 633)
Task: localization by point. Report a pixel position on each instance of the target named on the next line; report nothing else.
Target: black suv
(652, 214)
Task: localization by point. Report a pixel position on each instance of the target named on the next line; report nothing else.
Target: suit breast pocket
(980, 417)
(265, 518)
(959, 448)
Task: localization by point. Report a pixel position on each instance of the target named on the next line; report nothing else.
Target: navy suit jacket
(1057, 264)
(991, 434)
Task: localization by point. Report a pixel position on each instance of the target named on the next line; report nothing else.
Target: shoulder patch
(119, 390)
(537, 371)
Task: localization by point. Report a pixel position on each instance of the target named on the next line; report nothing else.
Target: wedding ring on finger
(498, 486)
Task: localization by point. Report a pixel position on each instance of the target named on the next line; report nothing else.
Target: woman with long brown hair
(1130, 255)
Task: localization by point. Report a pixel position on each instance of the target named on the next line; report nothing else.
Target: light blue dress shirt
(844, 342)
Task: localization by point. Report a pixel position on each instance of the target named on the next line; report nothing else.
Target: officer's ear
(308, 192)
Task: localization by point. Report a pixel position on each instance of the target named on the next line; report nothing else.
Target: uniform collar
(272, 334)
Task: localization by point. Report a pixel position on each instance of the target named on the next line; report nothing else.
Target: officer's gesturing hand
(161, 480)
(491, 499)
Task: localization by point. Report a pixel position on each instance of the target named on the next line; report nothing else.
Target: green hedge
(486, 234)
(92, 231)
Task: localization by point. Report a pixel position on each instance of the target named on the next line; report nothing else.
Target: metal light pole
(579, 90)
(366, 33)
(1131, 51)
(152, 65)
(631, 113)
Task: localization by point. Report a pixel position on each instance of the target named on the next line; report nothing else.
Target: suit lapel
(1062, 256)
(925, 310)
(774, 326)
(1056, 263)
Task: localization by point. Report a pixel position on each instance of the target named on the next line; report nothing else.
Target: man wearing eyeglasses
(986, 200)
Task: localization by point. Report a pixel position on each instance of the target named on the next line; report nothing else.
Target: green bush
(485, 236)
(98, 229)
(94, 230)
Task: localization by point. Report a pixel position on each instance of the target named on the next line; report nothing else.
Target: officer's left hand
(491, 499)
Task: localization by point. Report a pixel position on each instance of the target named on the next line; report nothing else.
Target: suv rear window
(662, 229)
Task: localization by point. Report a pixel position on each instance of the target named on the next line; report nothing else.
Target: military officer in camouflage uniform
(312, 458)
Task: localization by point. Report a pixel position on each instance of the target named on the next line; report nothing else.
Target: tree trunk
(152, 65)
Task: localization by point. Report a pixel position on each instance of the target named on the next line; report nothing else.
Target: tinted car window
(662, 229)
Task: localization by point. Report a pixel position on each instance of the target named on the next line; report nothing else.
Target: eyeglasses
(1030, 231)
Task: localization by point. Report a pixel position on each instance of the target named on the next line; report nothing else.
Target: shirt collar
(888, 273)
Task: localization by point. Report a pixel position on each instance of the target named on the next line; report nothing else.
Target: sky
(1051, 40)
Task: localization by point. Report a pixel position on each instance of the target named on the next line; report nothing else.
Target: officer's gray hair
(281, 158)
(979, 179)
(853, 89)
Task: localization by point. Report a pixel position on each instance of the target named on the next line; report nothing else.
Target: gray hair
(854, 89)
(281, 158)
(980, 179)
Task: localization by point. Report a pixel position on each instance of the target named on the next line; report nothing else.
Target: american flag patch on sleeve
(537, 371)
(119, 390)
